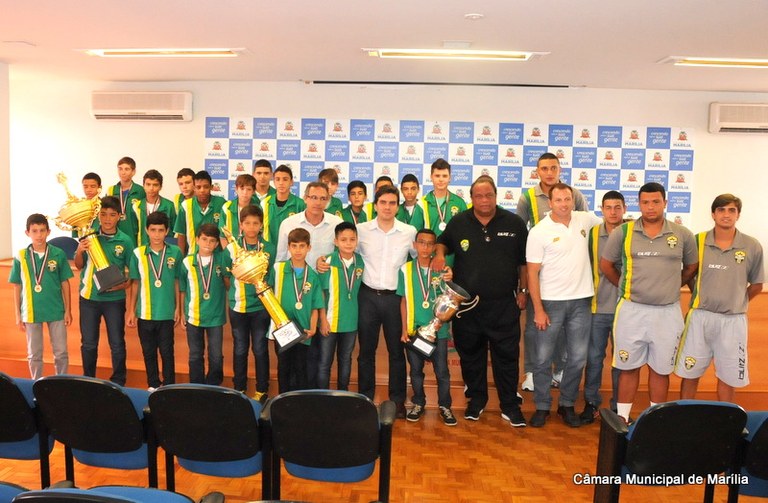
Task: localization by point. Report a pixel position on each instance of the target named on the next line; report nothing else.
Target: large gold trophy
(251, 266)
(78, 214)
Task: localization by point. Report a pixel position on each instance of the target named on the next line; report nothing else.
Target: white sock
(623, 409)
(652, 404)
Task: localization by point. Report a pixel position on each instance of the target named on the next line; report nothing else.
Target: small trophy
(446, 306)
(250, 266)
(78, 214)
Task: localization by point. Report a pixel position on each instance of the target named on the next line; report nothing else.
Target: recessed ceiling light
(716, 62)
(165, 53)
(453, 54)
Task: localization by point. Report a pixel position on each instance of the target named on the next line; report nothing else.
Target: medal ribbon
(440, 212)
(205, 281)
(424, 285)
(123, 199)
(155, 271)
(246, 245)
(349, 279)
(299, 291)
(32, 255)
(154, 206)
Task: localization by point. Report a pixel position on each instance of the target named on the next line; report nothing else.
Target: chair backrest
(688, 437)
(9, 491)
(66, 243)
(69, 496)
(210, 429)
(756, 459)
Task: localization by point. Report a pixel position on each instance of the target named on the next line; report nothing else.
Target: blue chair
(755, 465)
(210, 429)
(100, 423)
(687, 438)
(9, 491)
(324, 435)
(66, 243)
(104, 494)
(20, 425)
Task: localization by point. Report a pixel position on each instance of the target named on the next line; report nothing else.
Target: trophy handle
(472, 304)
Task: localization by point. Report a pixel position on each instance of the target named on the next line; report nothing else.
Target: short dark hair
(92, 176)
(383, 178)
(614, 194)
(111, 203)
(158, 218)
(284, 169)
(410, 177)
(37, 219)
(328, 175)
(356, 184)
(547, 156)
(252, 211)
(245, 181)
(185, 172)
(387, 189)
(315, 185)
(427, 231)
(203, 175)
(483, 179)
(153, 174)
(210, 230)
(724, 200)
(652, 187)
(560, 186)
(262, 163)
(440, 164)
(344, 226)
(129, 161)
(299, 235)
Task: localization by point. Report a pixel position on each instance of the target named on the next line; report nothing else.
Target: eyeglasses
(318, 198)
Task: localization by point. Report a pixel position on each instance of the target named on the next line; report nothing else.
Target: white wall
(52, 131)
(5, 213)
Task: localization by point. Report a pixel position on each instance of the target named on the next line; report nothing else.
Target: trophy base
(108, 277)
(421, 346)
(288, 335)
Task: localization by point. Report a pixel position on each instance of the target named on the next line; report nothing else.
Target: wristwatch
(524, 291)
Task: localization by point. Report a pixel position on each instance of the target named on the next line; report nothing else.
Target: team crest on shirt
(464, 244)
(623, 355)
(216, 217)
(338, 214)
(739, 255)
(358, 272)
(218, 271)
(583, 233)
(435, 281)
(672, 241)
(690, 362)
(307, 287)
(454, 210)
(119, 250)
(51, 265)
(170, 262)
(291, 213)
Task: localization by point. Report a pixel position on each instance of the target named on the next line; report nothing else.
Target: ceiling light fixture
(716, 62)
(165, 53)
(453, 54)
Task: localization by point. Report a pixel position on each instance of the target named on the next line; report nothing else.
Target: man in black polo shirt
(488, 243)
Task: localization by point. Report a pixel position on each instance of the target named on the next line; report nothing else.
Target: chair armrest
(610, 419)
(610, 454)
(63, 484)
(387, 412)
(214, 497)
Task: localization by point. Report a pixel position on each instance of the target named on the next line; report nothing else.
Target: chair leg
(170, 472)
(709, 493)
(69, 465)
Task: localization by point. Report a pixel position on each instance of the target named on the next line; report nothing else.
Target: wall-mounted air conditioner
(141, 106)
(738, 118)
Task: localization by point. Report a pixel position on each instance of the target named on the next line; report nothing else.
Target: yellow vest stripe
(27, 308)
(628, 259)
(534, 205)
(334, 299)
(696, 299)
(410, 300)
(595, 236)
(145, 309)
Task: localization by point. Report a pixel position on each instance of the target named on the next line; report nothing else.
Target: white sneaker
(151, 389)
(556, 378)
(528, 382)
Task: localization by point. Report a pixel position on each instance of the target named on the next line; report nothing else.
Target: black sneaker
(569, 416)
(448, 417)
(472, 413)
(515, 417)
(539, 418)
(415, 413)
(590, 414)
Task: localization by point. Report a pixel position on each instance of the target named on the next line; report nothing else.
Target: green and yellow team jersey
(117, 248)
(367, 214)
(434, 215)
(242, 296)
(341, 284)
(156, 273)
(420, 288)
(127, 222)
(205, 293)
(177, 200)
(415, 218)
(334, 207)
(274, 214)
(191, 217)
(141, 209)
(310, 294)
(44, 303)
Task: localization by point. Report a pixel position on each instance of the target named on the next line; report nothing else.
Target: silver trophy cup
(446, 306)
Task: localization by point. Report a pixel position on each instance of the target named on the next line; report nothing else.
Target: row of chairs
(316, 434)
(685, 441)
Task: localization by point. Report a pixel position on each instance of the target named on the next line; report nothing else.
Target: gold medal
(206, 296)
(441, 226)
(298, 306)
(38, 288)
(38, 274)
(425, 304)
(158, 283)
(299, 291)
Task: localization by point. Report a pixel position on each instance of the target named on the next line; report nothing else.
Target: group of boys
(344, 273)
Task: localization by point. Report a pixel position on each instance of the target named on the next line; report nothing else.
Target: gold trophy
(251, 266)
(78, 214)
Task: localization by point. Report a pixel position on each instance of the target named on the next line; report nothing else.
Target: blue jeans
(439, 361)
(575, 317)
(529, 348)
(341, 343)
(157, 335)
(113, 312)
(196, 341)
(602, 326)
(249, 331)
